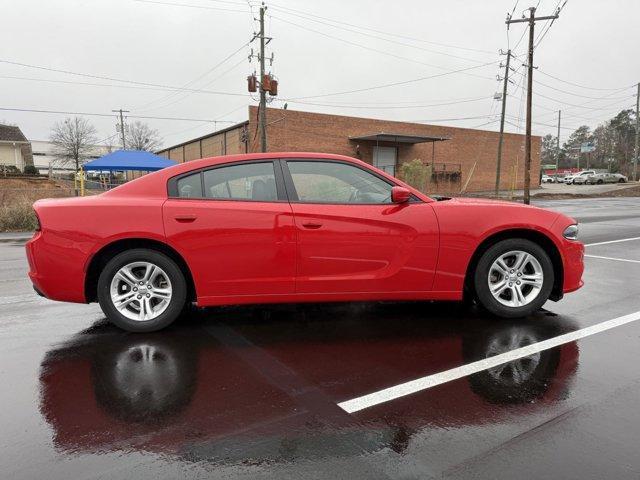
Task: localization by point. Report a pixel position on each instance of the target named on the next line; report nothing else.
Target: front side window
(334, 182)
(252, 181)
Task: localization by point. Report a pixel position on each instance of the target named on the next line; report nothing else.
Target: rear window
(253, 181)
(190, 186)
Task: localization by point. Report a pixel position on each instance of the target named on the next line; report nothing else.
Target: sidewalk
(15, 236)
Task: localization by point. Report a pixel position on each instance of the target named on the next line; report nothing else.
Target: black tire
(178, 294)
(600, 182)
(622, 180)
(481, 274)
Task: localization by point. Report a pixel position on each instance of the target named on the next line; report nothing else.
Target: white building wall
(44, 158)
(11, 154)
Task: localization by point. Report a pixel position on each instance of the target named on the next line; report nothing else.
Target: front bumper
(573, 259)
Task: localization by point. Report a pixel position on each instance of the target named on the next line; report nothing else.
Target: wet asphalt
(253, 392)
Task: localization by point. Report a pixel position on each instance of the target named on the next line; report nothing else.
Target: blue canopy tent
(121, 160)
(129, 160)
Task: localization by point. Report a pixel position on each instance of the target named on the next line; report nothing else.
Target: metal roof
(398, 138)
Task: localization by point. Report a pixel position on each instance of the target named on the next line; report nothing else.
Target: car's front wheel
(142, 290)
(513, 278)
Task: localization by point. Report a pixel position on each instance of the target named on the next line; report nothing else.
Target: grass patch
(18, 216)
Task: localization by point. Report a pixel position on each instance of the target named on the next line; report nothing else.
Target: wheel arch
(532, 235)
(108, 251)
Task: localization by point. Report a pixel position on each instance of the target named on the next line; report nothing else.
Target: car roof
(211, 161)
(154, 184)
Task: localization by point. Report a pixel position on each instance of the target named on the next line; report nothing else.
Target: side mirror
(400, 195)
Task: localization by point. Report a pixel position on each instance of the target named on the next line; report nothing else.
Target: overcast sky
(593, 44)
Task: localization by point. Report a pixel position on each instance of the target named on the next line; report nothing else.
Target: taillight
(38, 227)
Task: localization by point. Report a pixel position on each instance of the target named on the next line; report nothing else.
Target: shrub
(9, 170)
(18, 216)
(30, 170)
(415, 173)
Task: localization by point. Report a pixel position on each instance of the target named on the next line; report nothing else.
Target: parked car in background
(582, 179)
(600, 178)
(294, 227)
(570, 179)
(559, 177)
(547, 179)
(620, 178)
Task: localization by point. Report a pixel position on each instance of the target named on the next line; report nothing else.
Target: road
(264, 392)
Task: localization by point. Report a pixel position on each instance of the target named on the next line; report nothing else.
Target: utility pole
(531, 20)
(120, 111)
(635, 150)
(504, 106)
(558, 144)
(262, 120)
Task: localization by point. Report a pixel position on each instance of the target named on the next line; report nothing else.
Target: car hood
(485, 201)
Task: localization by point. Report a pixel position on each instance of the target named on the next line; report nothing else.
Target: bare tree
(140, 136)
(110, 143)
(73, 141)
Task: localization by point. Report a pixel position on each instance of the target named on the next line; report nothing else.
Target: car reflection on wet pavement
(255, 391)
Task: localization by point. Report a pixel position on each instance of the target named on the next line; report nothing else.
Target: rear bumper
(56, 267)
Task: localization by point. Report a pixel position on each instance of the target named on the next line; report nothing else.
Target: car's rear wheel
(513, 278)
(622, 180)
(141, 290)
(600, 182)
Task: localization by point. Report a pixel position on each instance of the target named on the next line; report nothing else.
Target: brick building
(461, 158)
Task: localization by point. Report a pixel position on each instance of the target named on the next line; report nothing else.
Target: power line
(199, 77)
(385, 107)
(537, 82)
(386, 85)
(582, 86)
(375, 36)
(544, 32)
(381, 52)
(190, 6)
(96, 114)
(580, 106)
(185, 95)
(114, 79)
(406, 37)
(449, 119)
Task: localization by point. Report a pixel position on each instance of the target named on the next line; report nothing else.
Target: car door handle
(185, 218)
(312, 225)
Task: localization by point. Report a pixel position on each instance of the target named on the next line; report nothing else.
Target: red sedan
(293, 227)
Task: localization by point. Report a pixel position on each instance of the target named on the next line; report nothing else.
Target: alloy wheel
(515, 278)
(141, 291)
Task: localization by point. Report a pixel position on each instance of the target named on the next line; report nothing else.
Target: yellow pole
(81, 182)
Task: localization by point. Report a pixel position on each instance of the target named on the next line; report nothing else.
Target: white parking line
(612, 241)
(613, 258)
(419, 384)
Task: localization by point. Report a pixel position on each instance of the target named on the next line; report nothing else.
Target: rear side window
(253, 181)
(190, 186)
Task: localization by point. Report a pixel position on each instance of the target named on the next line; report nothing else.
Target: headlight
(571, 232)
